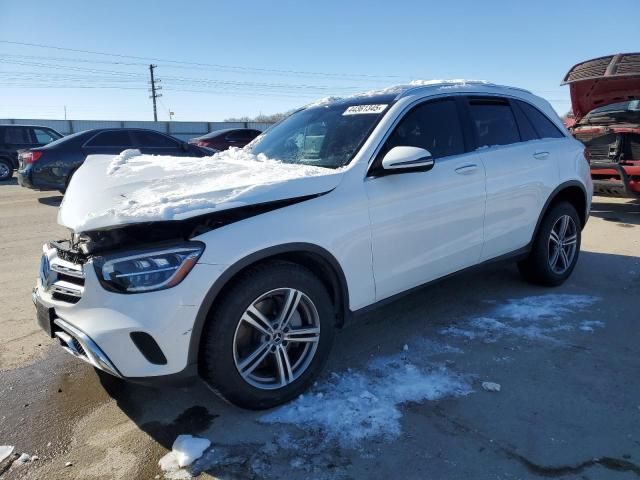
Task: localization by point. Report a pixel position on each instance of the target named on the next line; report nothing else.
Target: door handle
(467, 169)
(540, 155)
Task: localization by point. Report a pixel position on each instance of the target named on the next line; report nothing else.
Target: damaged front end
(605, 98)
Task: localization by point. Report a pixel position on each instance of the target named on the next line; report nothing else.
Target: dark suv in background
(51, 167)
(19, 137)
(223, 139)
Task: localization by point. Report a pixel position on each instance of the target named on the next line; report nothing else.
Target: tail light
(31, 156)
(587, 156)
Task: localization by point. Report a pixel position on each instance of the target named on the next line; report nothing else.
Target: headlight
(150, 270)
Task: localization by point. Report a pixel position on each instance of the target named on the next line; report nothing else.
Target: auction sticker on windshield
(360, 109)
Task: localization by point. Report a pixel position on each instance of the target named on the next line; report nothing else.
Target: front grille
(601, 147)
(61, 277)
(68, 254)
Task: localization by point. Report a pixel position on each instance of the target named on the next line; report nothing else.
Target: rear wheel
(6, 169)
(269, 336)
(556, 247)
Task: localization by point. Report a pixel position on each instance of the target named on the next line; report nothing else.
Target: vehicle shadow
(623, 212)
(53, 201)
(164, 413)
(10, 181)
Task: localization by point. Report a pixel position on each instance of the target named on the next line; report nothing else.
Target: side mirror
(185, 147)
(400, 159)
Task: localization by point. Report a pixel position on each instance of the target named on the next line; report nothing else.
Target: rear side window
(543, 126)
(17, 135)
(112, 138)
(434, 126)
(44, 136)
(153, 140)
(494, 122)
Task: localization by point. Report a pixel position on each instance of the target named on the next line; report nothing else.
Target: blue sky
(252, 49)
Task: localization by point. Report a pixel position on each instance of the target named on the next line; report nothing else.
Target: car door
(426, 224)
(520, 172)
(154, 143)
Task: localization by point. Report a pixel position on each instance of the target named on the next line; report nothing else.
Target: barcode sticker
(363, 109)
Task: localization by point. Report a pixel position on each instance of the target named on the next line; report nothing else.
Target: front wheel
(269, 336)
(555, 249)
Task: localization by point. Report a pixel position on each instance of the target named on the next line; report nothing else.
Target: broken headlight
(147, 271)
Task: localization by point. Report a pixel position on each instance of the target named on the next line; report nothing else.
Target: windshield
(325, 136)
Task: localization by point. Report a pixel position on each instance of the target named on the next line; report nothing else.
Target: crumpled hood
(108, 192)
(603, 81)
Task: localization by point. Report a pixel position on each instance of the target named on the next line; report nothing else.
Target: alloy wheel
(563, 241)
(5, 172)
(276, 338)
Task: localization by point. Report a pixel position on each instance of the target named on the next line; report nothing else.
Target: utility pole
(154, 90)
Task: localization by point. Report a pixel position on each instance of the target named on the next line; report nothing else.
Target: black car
(51, 167)
(223, 139)
(19, 137)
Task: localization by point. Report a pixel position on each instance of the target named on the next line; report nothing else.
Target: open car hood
(108, 192)
(603, 81)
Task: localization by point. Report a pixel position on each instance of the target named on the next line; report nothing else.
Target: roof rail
(413, 88)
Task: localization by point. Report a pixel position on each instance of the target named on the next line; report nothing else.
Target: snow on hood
(110, 191)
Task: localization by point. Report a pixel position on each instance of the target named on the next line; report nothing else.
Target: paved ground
(567, 360)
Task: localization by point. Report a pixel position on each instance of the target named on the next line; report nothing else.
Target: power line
(182, 62)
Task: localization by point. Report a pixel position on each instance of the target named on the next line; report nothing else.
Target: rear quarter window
(544, 127)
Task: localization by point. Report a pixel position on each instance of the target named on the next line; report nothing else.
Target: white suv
(238, 267)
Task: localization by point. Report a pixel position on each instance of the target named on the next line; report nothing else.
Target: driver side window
(434, 126)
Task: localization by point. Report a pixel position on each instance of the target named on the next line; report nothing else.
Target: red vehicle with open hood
(605, 96)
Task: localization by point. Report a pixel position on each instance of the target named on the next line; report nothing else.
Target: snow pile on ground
(5, 452)
(356, 405)
(535, 317)
(186, 449)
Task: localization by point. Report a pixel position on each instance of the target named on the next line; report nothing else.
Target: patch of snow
(590, 325)
(68, 464)
(491, 386)
(140, 188)
(185, 450)
(358, 405)
(122, 159)
(534, 318)
(23, 458)
(5, 452)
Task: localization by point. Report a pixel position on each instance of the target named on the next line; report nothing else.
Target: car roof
(224, 131)
(418, 88)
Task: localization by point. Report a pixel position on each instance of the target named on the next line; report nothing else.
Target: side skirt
(516, 255)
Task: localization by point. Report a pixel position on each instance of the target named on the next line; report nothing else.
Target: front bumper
(620, 181)
(101, 322)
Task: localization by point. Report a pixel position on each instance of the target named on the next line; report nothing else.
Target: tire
(6, 169)
(231, 337)
(546, 265)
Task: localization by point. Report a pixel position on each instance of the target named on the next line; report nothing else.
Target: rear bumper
(613, 179)
(24, 179)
